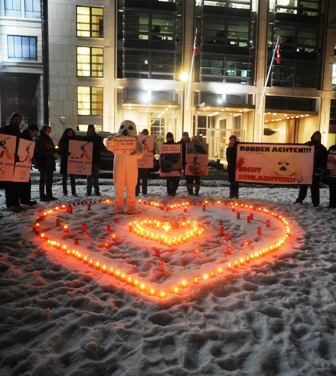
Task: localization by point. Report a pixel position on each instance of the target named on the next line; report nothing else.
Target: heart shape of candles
(182, 245)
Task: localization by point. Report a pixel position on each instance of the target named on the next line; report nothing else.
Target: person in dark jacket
(331, 176)
(189, 179)
(194, 180)
(142, 173)
(29, 134)
(45, 160)
(320, 161)
(63, 149)
(12, 189)
(98, 146)
(173, 181)
(231, 157)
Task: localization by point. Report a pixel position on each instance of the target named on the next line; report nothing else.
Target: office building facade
(195, 65)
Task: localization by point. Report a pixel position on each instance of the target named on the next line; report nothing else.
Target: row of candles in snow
(149, 290)
(193, 230)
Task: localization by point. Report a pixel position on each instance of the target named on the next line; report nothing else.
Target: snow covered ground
(277, 319)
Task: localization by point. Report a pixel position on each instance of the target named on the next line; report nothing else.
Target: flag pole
(268, 74)
(191, 71)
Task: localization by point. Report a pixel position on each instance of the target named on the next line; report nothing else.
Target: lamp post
(184, 78)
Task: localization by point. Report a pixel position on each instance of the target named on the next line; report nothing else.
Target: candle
(58, 222)
(238, 215)
(65, 228)
(75, 241)
(84, 227)
(259, 232)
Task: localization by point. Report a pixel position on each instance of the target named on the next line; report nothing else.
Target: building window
(90, 100)
(22, 47)
(90, 22)
(84, 127)
(32, 8)
(90, 62)
(333, 77)
(12, 8)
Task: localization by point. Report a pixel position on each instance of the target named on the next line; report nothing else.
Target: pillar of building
(260, 71)
(187, 107)
(327, 91)
(110, 67)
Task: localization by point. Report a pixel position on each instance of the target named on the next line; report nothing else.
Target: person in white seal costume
(125, 170)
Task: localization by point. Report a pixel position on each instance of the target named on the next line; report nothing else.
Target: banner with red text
(274, 163)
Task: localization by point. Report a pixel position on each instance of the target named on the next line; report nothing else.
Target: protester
(142, 173)
(189, 180)
(320, 161)
(331, 176)
(29, 134)
(173, 181)
(63, 149)
(125, 170)
(194, 181)
(12, 189)
(98, 147)
(231, 157)
(45, 161)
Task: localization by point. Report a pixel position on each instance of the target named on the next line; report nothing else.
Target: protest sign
(274, 163)
(148, 151)
(23, 165)
(170, 160)
(7, 157)
(80, 158)
(196, 159)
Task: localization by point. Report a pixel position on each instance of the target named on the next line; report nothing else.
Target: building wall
(64, 81)
(22, 71)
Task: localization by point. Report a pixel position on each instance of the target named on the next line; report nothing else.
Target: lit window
(12, 8)
(33, 8)
(90, 22)
(90, 100)
(333, 78)
(90, 62)
(21, 47)
(84, 127)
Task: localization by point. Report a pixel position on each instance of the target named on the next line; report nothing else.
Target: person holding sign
(143, 172)
(231, 157)
(125, 169)
(12, 189)
(45, 160)
(331, 176)
(320, 161)
(171, 164)
(196, 163)
(63, 149)
(98, 146)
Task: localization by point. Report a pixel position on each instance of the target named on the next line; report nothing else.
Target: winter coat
(231, 157)
(98, 147)
(26, 135)
(45, 152)
(63, 150)
(184, 152)
(320, 157)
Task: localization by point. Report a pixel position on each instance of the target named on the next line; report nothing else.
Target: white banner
(170, 160)
(121, 145)
(148, 147)
(275, 163)
(80, 158)
(25, 155)
(7, 157)
(196, 159)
